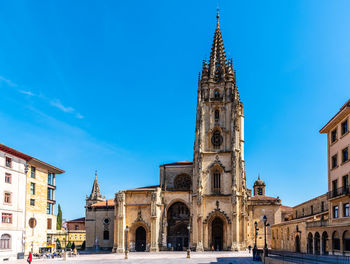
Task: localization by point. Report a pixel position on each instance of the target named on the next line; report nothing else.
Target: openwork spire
(95, 192)
(217, 63)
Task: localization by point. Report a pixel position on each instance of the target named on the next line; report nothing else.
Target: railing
(216, 190)
(291, 257)
(318, 223)
(216, 98)
(339, 191)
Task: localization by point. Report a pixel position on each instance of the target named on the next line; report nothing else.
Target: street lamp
(256, 234)
(189, 235)
(265, 225)
(126, 242)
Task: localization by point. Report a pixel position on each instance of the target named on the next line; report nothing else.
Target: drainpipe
(25, 208)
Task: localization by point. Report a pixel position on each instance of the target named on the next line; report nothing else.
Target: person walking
(249, 248)
(30, 258)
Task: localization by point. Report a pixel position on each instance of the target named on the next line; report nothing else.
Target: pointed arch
(217, 225)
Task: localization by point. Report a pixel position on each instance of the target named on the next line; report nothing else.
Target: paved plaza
(242, 257)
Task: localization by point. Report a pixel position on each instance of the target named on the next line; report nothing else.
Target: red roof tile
(82, 219)
(185, 162)
(146, 188)
(109, 202)
(262, 197)
(14, 152)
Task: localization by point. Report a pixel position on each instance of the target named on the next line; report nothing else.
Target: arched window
(106, 235)
(182, 182)
(217, 115)
(216, 94)
(216, 181)
(5, 241)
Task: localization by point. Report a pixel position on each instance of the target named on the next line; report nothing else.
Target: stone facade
(322, 225)
(27, 214)
(40, 200)
(204, 204)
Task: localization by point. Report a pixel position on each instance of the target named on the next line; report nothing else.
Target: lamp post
(265, 246)
(189, 235)
(126, 242)
(256, 234)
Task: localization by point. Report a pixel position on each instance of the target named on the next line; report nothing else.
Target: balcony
(318, 223)
(344, 190)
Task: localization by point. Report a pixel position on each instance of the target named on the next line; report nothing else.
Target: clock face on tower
(216, 139)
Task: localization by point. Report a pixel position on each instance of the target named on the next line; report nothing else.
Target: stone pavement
(241, 257)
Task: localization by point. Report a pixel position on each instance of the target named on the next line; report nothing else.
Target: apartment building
(12, 202)
(40, 200)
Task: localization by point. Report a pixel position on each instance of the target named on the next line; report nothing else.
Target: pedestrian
(249, 248)
(30, 258)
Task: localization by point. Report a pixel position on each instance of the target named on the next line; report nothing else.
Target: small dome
(259, 182)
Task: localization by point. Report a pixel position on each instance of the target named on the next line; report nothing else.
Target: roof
(51, 168)
(285, 208)
(81, 219)
(146, 188)
(337, 118)
(14, 152)
(28, 158)
(109, 202)
(262, 197)
(308, 201)
(185, 162)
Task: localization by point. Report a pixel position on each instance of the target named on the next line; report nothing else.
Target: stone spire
(95, 192)
(217, 62)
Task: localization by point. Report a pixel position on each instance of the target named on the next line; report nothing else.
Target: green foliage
(58, 244)
(59, 218)
(69, 245)
(83, 246)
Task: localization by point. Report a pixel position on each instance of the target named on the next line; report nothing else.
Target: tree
(69, 245)
(59, 218)
(83, 246)
(58, 244)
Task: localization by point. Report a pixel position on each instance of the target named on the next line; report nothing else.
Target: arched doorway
(217, 234)
(317, 243)
(335, 241)
(178, 217)
(325, 248)
(140, 239)
(309, 244)
(346, 241)
(297, 244)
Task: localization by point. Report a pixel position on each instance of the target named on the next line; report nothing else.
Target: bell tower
(218, 169)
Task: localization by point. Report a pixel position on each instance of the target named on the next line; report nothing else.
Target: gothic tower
(219, 182)
(95, 195)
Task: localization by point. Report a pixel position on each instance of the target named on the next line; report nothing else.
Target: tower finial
(217, 17)
(95, 174)
(259, 176)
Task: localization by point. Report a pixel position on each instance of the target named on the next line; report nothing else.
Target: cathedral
(203, 204)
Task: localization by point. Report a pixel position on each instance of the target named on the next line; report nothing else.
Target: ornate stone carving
(219, 211)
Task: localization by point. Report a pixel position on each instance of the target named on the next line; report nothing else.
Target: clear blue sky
(111, 86)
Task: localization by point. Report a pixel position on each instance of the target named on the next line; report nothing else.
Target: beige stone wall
(304, 209)
(95, 226)
(256, 213)
(37, 237)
